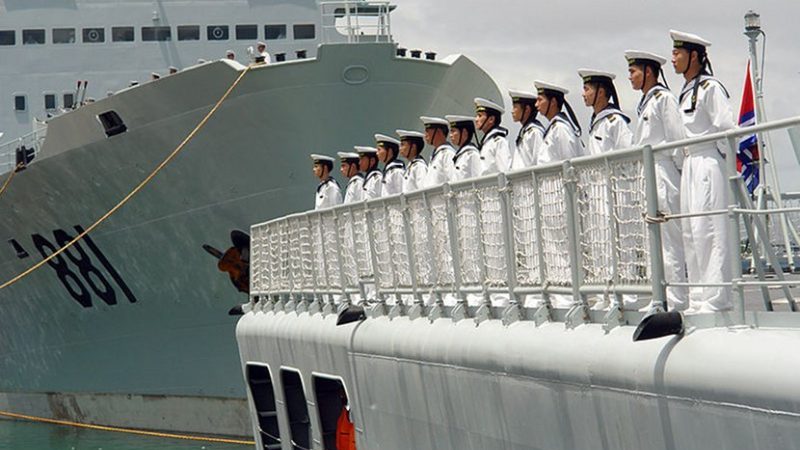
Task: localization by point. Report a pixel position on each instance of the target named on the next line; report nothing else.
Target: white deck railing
(576, 228)
(8, 150)
(355, 21)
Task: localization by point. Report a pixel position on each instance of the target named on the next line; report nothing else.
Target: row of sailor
(689, 181)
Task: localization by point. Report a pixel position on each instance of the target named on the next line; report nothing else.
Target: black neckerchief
(326, 182)
(693, 86)
(609, 110)
(496, 131)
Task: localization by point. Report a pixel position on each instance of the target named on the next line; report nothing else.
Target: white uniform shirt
(266, 57)
(467, 163)
(441, 168)
(414, 176)
(609, 131)
(373, 182)
(392, 178)
(529, 143)
(659, 122)
(354, 192)
(328, 194)
(560, 141)
(712, 100)
(495, 152)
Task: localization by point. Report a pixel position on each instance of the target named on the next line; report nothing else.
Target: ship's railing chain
(559, 234)
(139, 187)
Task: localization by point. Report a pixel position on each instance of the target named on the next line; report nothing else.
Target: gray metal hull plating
(248, 163)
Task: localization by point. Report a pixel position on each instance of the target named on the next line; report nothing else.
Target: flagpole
(771, 185)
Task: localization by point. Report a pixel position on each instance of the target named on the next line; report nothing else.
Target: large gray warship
(130, 327)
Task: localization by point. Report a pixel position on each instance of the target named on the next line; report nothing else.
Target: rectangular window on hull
(246, 32)
(63, 35)
(69, 100)
(112, 123)
(49, 101)
(8, 37)
(274, 32)
(217, 32)
(188, 32)
(32, 37)
(263, 392)
(304, 32)
(122, 34)
(296, 408)
(20, 103)
(94, 35)
(150, 34)
(331, 401)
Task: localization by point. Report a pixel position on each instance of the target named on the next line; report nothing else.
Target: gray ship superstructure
(130, 326)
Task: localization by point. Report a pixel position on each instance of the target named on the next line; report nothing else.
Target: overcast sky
(518, 41)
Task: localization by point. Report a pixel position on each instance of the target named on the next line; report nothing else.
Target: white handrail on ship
(8, 150)
(354, 28)
(576, 227)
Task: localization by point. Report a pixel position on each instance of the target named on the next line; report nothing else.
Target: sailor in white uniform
(660, 122)
(393, 168)
(705, 110)
(261, 55)
(328, 192)
(354, 192)
(562, 136)
(495, 151)
(411, 145)
(608, 127)
(467, 160)
(373, 178)
(531, 134)
(441, 167)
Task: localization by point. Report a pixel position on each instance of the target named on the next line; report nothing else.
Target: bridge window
(122, 34)
(246, 32)
(50, 101)
(217, 32)
(275, 32)
(30, 37)
(331, 398)
(150, 34)
(63, 35)
(296, 408)
(304, 32)
(94, 35)
(20, 103)
(188, 32)
(259, 380)
(8, 37)
(112, 123)
(69, 99)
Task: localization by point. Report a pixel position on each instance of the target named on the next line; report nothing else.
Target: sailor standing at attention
(368, 164)
(495, 152)
(562, 137)
(393, 168)
(354, 192)
(660, 122)
(529, 138)
(608, 127)
(411, 145)
(705, 110)
(441, 168)
(328, 192)
(467, 161)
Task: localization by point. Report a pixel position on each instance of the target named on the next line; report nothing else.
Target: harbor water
(18, 435)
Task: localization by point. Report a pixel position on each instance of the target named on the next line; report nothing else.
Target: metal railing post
(339, 259)
(537, 212)
(657, 279)
(412, 260)
(573, 234)
(613, 232)
(507, 210)
(373, 255)
(434, 261)
(452, 229)
(734, 252)
(483, 274)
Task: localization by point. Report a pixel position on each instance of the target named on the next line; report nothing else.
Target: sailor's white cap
(260, 44)
(632, 56)
(680, 39)
(229, 52)
(517, 96)
(407, 134)
(172, 68)
(382, 139)
(428, 121)
(364, 150)
(455, 120)
(321, 158)
(155, 74)
(545, 86)
(347, 156)
(481, 104)
(588, 75)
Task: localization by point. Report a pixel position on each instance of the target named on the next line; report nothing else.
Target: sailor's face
(429, 132)
(517, 111)
(480, 120)
(405, 149)
(318, 170)
(680, 60)
(542, 103)
(363, 163)
(382, 153)
(344, 168)
(589, 94)
(261, 48)
(455, 136)
(636, 76)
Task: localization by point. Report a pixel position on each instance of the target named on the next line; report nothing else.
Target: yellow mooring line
(184, 437)
(135, 190)
(10, 177)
